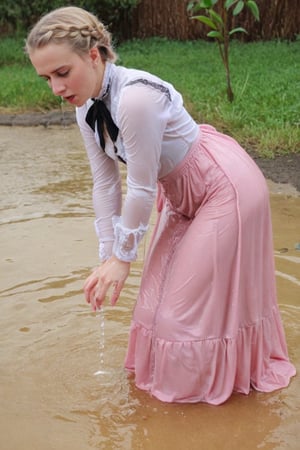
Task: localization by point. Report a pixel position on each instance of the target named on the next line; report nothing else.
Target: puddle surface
(61, 379)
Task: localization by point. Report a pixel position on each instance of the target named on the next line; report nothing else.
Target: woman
(206, 322)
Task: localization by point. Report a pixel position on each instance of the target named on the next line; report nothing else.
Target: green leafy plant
(219, 26)
(18, 16)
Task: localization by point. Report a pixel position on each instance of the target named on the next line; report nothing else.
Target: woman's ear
(94, 55)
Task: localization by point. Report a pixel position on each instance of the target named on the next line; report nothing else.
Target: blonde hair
(74, 26)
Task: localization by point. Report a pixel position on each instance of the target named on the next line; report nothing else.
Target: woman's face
(74, 77)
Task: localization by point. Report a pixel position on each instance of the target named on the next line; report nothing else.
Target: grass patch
(265, 114)
(22, 90)
(11, 51)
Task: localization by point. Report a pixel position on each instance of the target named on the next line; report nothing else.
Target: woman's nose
(58, 87)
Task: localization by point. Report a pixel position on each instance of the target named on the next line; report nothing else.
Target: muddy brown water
(53, 394)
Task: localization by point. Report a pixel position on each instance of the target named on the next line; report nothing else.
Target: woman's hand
(112, 272)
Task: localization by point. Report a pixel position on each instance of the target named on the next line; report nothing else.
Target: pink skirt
(206, 322)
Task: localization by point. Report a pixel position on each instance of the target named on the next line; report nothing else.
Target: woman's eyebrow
(53, 71)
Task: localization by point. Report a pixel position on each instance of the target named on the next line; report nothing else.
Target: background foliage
(18, 16)
(127, 19)
(264, 116)
(279, 19)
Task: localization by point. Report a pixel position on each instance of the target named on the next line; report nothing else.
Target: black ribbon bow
(98, 113)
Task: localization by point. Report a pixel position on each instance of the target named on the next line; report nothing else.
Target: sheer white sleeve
(107, 196)
(142, 118)
(142, 115)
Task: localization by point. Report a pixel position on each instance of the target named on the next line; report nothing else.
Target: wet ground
(53, 349)
(282, 169)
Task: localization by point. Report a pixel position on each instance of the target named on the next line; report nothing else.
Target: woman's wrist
(114, 258)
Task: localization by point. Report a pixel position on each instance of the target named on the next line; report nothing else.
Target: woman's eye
(63, 74)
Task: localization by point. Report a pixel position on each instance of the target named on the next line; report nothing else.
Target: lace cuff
(126, 240)
(105, 250)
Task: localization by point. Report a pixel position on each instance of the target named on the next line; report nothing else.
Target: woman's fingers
(103, 290)
(100, 292)
(112, 273)
(89, 286)
(95, 290)
(116, 293)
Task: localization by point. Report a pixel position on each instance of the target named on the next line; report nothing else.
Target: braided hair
(74, 26)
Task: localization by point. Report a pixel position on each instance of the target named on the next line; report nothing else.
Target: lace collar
(106, 83)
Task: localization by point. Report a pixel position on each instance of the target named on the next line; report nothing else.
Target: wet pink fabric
(206, 322)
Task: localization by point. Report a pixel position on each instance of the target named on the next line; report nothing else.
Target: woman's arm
(142, 116)
(107, 196)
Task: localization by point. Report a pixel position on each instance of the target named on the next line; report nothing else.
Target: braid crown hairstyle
(74, 26)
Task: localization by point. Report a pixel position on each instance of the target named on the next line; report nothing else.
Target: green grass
(264, 116)
(21, 88)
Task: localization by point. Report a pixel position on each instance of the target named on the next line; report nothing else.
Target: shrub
(18, 16)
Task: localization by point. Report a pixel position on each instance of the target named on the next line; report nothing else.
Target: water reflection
(53, 390)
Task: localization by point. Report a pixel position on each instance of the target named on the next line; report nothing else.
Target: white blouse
(155, 133)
